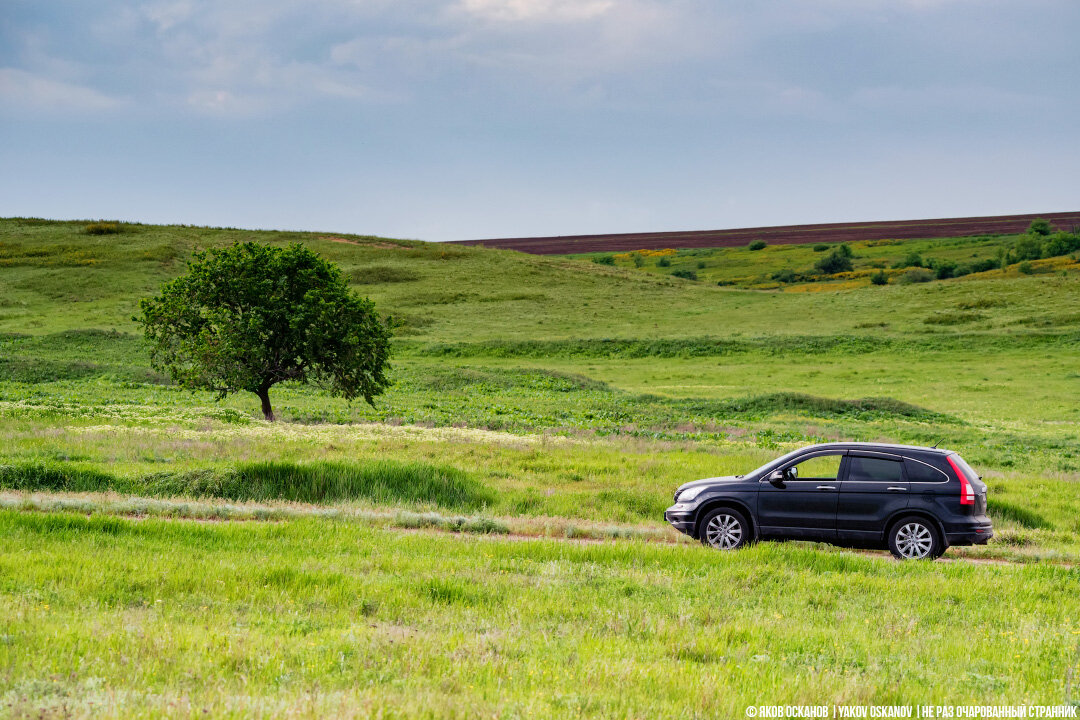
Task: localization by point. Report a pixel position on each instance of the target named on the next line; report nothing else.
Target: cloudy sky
(454, 119)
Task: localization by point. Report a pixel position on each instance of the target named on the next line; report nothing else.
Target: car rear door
(805, 506)
(874, 486)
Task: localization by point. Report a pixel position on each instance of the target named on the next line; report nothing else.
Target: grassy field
(165, 554)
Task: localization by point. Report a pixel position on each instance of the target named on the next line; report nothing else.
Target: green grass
(313, 618)
(542, 396)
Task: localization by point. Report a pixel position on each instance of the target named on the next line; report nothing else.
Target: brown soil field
(781, 234)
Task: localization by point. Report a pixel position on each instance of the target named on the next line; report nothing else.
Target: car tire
(915, 538)
(724, 529)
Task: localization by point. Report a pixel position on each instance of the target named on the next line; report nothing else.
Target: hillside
(54, 277)
(781, 234)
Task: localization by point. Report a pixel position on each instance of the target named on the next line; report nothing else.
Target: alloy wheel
(724, 532)
(914, 540)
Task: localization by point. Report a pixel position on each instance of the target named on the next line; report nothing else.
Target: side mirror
(776, 477)
(793, 472)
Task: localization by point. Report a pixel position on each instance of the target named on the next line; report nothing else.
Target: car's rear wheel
(725, 529)
(915, 538)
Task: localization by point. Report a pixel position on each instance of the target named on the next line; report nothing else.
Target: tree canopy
(249, 316)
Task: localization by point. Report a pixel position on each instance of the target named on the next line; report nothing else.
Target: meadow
(488, 538)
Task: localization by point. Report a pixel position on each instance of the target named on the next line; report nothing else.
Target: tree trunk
(264, 395)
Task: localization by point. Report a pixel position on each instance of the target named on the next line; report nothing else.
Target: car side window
(820, 467)
(922, 472)
(865, 469)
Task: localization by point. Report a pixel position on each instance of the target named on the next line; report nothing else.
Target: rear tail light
(967, 493)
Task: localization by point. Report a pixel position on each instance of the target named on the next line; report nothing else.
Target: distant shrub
(821, 247)
(639, 261)
(604, 259)
(834, 262)
(943, 269)
(879, 278)
(1029, 247)
(700, 264)
(663, 262)
(1061, 243)
(787, 275)
(1040, 226)
(915, 275)
(102, 228)
(1026, 268)
(845, 250)
(757, 245)
(976, 266)
(912, 259)
(685, 274)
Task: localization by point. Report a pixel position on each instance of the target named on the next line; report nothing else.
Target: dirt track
(781, 234)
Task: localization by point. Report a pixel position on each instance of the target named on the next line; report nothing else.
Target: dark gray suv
(916, 501)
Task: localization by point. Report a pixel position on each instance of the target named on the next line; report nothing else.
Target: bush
(604, 260)
(102, 228)
(700, 264)
(976, 266)
(787, 275)
(1026, 268)
(663, 262)
(916, 275)
(639, 261)
(879, 278)
(1061, 243)
(685, 274)
(821, 247)
(1039, 226)
(757, 245)
(912, 259)
(943, 269)
(834, 262)
(1029, 247)
(845, 250)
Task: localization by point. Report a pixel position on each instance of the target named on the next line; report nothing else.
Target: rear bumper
(680, 519)
(971, 536)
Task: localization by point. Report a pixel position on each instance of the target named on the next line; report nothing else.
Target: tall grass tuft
(383, 481)
(1019, 515)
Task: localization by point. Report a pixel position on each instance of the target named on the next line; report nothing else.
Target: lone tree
(249, 316)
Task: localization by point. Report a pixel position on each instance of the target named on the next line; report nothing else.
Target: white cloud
(25, 91)
(543, 10)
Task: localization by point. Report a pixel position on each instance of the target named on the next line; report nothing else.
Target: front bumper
(681, 517)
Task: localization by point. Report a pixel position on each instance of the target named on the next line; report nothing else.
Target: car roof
(886, 447)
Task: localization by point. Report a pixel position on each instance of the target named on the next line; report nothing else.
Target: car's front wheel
(915, 538)
(725, 529)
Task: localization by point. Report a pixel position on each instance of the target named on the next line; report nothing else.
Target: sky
(462, 119)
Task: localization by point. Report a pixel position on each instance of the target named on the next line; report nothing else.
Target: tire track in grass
(515, 529)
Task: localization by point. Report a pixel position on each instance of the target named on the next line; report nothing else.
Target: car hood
(710, 481)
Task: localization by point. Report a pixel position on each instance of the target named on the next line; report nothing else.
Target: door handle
(896, 489)
(826, 487)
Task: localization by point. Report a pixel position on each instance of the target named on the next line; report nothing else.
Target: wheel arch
(725, 502)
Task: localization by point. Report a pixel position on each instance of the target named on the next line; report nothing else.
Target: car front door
(802, 502)
(873, 487)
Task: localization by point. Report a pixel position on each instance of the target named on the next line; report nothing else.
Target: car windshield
(773, 464)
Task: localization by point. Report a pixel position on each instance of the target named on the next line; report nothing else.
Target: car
(915, 501)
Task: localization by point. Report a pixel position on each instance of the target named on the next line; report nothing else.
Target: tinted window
(822, 467)
(921, 472)
(865, 469)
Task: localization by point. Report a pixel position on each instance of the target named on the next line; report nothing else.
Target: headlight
(690, 493)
